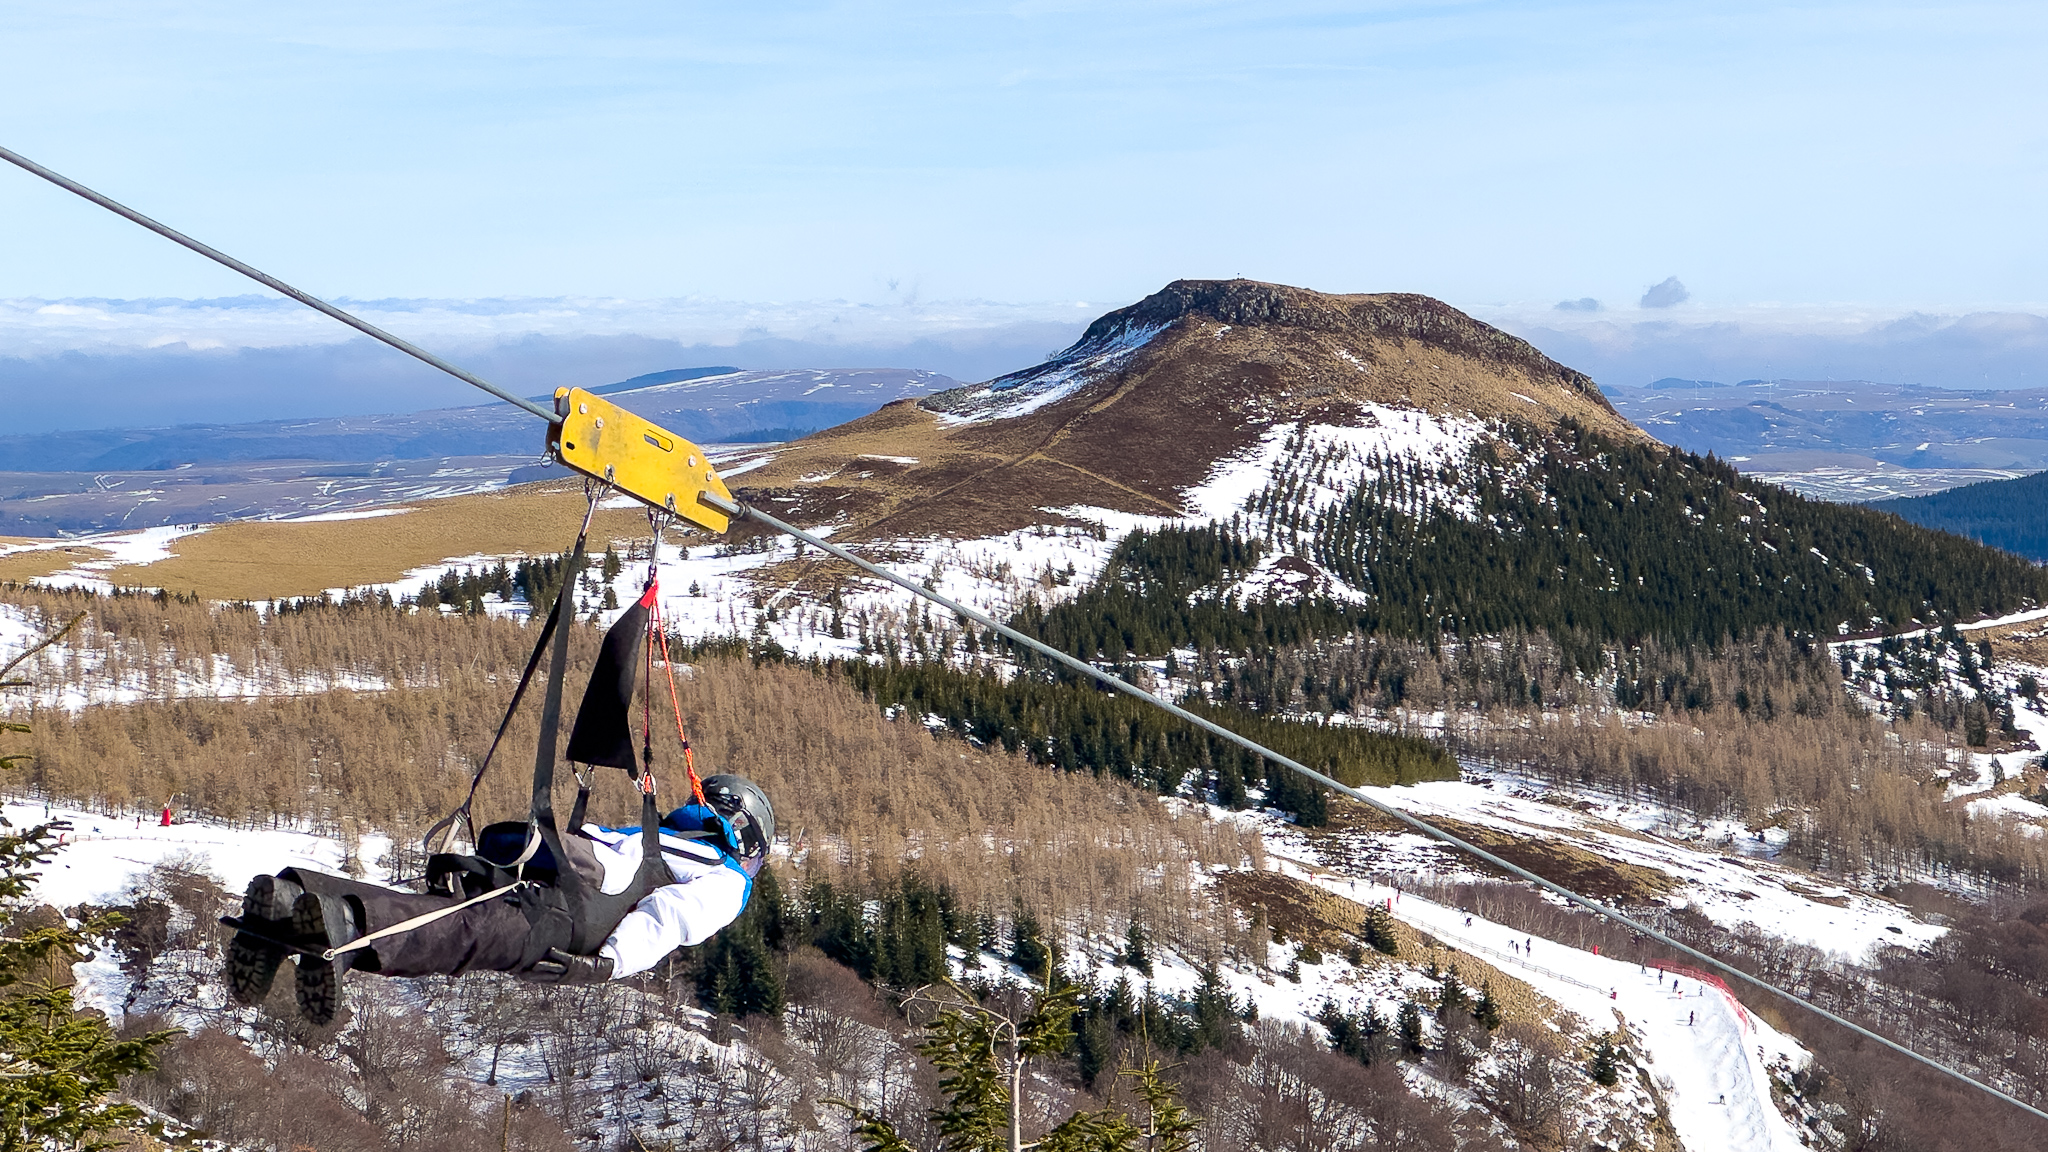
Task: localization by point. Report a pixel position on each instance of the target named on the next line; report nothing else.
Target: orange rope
(668, 666)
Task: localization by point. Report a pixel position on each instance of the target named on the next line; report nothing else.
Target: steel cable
(271, 282)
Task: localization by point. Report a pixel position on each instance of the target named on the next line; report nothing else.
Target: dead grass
(1566, 864)
(36, 563)
(262, 560)
(2024, 643)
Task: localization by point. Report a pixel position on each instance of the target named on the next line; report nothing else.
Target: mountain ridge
(1154, 397)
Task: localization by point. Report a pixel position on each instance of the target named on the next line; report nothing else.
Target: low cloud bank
(1978, 350)
(76, 364)
(179, 384)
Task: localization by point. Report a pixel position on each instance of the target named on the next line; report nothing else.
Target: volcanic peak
(1155, 398)
(1304, 335)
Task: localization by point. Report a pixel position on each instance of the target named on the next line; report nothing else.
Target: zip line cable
(739, 510)
(270, 282)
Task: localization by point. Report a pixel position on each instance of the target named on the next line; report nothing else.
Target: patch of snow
(102, 855)
(1025, 392)
(1713, 875)
(2011, 806)
(146, 546)
(358, 514)
(739, 466)
(1390, 437)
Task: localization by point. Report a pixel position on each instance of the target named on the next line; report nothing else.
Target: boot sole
(269, 898)
(253, 961)
(252, 968)
(318, 990)
(319, 982)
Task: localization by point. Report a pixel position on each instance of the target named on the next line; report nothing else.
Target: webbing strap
(541, 807)
(421, 920)
(675, 704)
(446, 828)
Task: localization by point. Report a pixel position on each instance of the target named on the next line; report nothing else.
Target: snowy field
(1720, 870)
(102, 855)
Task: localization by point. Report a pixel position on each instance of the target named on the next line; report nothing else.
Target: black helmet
(741, 801)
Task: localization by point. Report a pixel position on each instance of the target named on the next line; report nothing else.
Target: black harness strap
(584, 914)
(447, 825)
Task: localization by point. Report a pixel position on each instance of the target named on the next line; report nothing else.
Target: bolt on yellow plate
(642, 459)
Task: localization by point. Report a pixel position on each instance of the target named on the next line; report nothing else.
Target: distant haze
(106, 363)
(103, 363)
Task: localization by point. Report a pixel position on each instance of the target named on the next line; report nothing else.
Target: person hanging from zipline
(595, 904)
(712, 853)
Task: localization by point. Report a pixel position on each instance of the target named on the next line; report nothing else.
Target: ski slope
(1708, 1061)
(102, 855)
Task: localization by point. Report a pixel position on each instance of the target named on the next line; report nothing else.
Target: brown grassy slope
(35, 563)
(262, 560)
(1305, 913)
(1233, 359)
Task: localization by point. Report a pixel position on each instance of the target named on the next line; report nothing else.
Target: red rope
(669, 667)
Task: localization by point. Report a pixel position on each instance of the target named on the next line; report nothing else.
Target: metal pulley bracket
(642, 459)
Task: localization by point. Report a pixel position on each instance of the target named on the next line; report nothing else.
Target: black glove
(559, 967)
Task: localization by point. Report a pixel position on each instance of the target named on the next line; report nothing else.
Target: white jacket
(709, 891)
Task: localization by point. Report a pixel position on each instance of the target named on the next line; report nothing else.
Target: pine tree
(1028, 949)
(1378, 930)
(1215, 1015)
(983, 1055)
(1487, 1010)
(1408, 1026)
(1606, 1067)
(1137, 949)
(737, 974)
(1451, 996)
(61, 1064)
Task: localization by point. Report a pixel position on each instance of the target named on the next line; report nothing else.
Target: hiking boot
(323, 922)
(252, 960)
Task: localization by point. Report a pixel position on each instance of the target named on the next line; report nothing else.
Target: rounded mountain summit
(1153, 397)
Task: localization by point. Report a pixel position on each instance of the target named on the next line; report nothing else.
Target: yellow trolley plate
(642, 459)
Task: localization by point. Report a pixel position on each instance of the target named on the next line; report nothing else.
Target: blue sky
(1864, 153)
(1799, 166)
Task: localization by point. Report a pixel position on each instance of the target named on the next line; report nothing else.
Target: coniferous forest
(1573, 534)
(2008, 514)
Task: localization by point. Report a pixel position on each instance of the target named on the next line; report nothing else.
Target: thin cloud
(1666, 293)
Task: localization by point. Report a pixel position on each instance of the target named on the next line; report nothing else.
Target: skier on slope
(712, 852)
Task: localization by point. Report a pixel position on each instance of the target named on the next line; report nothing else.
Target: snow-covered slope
(1706, 1058)
(1094, 357)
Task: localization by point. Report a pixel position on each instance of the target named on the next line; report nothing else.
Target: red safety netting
(1707, 978)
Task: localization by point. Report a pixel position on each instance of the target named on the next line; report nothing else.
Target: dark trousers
(492, 936)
